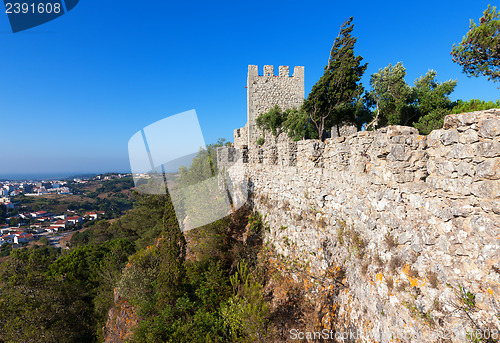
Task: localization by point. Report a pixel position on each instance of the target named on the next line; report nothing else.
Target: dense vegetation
(3, 214)
(337, 97)
(332, 99)
(49, 295)
(110, 196)
(211, 298)
(479, 52)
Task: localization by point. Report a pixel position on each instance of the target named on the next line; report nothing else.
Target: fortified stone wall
(266, 91)
(414, 221)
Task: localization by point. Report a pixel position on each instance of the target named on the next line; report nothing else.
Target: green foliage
(431, 121)
(431, 95)
(261, 141)
(49, 295)
(44, 240)
(362, 113)
(467, 299)
(203, 165)
(143, 224)
(478, 53)
(197, 193)
(3, 214)
(47, 298)
(332, 98)
(137, 283)
(294, 121)
(195, 315)
(435, 118)
(424, 105)
(473, 105)
(172, 253)
(256, 224)
(5, 249)
(201, 168)
(36, 306)
(212, 241)
(416, 312)
(432, 102)
(392, 96)
(272, 121)
(299, 125)
(246, 312)
(182, 300)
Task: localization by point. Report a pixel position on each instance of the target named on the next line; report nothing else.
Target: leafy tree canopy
(203, 165)
(391, 95)
(429, 94)
(424, 105)
(432, 102)
(272, 120)
(339, 87)
(474, 105)
(479, 51)
(295, 122)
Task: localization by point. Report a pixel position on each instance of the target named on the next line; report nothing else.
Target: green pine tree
(172, 253)
(391, 95)
(479, 51)
(332, 99)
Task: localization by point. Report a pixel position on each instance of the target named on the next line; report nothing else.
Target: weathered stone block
(490, 206)
(488, 149)
(434, 138)
(449, 137)
(469, 136)
(486, 189)
(398, 152)
(489, 169)
(489, 128)
(465, 168)
(397, 130)
(461, 151)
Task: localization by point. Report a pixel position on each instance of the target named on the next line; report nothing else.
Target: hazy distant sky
(74, 90)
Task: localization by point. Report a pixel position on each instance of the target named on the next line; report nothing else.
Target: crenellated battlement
(268, 71)
(397, 211)
(264, 92)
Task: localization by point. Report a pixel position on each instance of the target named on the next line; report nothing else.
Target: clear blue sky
(73, 91)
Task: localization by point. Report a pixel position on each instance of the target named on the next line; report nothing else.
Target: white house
(91, 215)
(25, 238)
(7, 230)
(74, 220)
(38, 214)
(60, 223)
(7, 239)
(52, 229)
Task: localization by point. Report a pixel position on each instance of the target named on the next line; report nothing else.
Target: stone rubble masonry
(264, 92)
(426, 208)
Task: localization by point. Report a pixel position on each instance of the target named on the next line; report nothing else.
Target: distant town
(69, 205)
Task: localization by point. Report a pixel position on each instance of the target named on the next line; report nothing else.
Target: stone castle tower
(266, 91)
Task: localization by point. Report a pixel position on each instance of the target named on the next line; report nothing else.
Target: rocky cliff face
(121, 321)
(414, 221)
